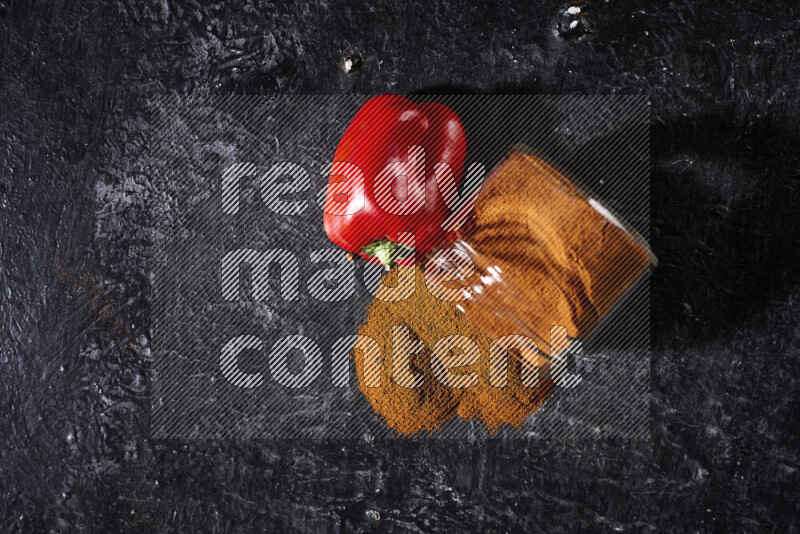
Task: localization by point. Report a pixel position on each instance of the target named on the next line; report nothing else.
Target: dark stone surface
(75, 81)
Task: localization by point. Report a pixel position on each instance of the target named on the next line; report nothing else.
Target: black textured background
(75, 81)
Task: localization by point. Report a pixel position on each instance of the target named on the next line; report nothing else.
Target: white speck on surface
(573, 24)
(574, 10)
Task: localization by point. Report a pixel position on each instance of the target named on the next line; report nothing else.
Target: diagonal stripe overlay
(256, 313)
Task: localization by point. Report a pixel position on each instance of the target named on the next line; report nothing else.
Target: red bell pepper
(379, 192)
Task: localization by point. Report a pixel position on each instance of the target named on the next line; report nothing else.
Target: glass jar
(536, 254)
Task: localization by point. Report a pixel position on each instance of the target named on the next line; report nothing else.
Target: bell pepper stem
(386, 251)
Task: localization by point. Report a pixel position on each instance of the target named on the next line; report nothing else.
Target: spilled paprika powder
(411, 409)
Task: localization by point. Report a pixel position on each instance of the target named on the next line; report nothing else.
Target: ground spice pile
(428, 319)
(543, 254)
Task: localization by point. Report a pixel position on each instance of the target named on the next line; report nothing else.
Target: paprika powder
(544, 254)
